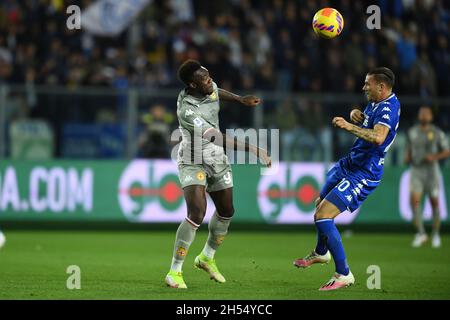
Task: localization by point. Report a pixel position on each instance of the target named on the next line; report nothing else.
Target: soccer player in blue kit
(357, 175)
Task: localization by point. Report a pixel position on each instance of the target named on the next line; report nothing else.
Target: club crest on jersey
(430, 135)
(200, 176)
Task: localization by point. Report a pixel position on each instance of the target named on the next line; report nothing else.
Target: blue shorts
(347, 187)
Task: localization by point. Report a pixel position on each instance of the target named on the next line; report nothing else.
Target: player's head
(195, 77)
(425, 115)
(378, 84)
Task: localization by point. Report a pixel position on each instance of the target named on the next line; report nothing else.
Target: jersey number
(343, 185)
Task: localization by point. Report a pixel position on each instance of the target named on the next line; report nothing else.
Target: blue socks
(328, 237)
(321, 247)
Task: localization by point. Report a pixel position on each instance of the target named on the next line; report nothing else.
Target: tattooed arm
(250, 101)
(377, 135)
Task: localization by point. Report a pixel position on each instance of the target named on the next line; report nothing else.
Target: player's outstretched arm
(218, 138)
(250, 101)
(377, 135)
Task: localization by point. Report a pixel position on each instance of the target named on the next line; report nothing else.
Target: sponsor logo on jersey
(198, 122)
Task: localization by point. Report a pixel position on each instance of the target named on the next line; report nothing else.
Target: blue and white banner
(111, 17)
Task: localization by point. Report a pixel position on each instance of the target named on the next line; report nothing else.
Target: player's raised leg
(329, 244)
(435, 238)
(421, 237)
(218, 228)
(320, 254)
(196, 206)
(324, 220)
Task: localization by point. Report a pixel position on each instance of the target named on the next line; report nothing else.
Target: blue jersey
(369, 156)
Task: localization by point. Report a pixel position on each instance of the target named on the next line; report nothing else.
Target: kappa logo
(386, 109)
(188, 113)
(356, 191)
(366, 121)
(188, 179)
(349, 198)
(386, 116)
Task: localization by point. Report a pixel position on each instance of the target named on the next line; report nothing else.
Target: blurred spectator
(354, 56)
(285, 119)
(247, 45)
(154, 139)
(246, 35)
(406, 48)
(423, 77)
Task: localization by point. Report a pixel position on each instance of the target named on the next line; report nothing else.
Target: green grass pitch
(257, 265)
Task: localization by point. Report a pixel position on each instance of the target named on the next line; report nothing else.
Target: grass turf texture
(257, 265)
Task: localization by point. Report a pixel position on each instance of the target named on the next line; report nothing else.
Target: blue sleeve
(387, 115)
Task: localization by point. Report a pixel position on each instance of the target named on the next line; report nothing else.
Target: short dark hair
(187, 69)
(426, 106)
(383, 74)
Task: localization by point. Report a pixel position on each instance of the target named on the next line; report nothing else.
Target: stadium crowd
(247, 46)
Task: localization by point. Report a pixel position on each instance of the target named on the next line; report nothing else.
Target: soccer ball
(328, 23)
